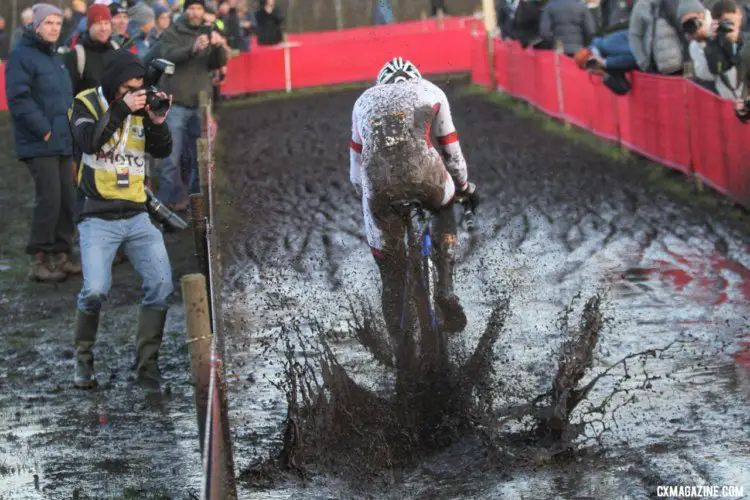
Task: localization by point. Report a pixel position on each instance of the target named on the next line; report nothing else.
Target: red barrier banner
(501, 64)
(257, 71)
(735, 153)
(658, 124)
(545, 84)
(360, 60)
(480, 68)
(707, 137)
(3, 98)
(578, 93)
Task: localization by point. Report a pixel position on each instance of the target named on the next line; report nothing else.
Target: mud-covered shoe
(454, 317)
(85, 337)
(67, 266)
(43, 270)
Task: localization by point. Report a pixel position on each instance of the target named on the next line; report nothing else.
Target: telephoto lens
(167, 218)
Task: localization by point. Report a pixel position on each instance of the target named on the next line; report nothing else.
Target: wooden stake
(195, 302)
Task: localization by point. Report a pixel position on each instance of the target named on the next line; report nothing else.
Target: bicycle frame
(418, 226)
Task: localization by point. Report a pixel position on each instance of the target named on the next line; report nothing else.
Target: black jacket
(268, 26)
(91, 135)
(94, 67)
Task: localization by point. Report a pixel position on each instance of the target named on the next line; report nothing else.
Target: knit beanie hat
(188, 3)
(689, 7)
(120, 66)
(96, 13)
(159, 10)
(118, 8)
(41, 11)
(141, 14)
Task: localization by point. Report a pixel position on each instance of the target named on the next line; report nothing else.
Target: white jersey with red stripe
(408, 100)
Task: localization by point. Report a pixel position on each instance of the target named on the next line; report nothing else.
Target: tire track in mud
(556, 219)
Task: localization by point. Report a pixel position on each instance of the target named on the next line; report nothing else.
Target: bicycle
(430, 352)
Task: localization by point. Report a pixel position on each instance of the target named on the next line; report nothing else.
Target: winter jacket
(616, 14)
(39, 95)
(722, 58)
(143, 42)
(268, 26)
(568, 21)
(96, 52)
(4, 45)
(192, 74)
(653, 39)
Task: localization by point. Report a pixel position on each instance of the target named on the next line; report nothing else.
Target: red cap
(96, 13)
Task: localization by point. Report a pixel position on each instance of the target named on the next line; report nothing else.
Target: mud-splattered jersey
(389, 115)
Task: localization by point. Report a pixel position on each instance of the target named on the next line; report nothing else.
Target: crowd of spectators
(612, 37)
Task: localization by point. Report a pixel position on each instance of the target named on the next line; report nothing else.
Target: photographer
(723, 48)
(196, 50)
(698, 25)
(115, 126)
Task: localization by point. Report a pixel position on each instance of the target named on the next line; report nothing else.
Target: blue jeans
(171, 188)
(615, 50)
(144, 246)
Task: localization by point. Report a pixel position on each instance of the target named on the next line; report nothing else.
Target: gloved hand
(470, 193)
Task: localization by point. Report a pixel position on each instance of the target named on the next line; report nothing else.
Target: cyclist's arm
(355, 154)
(448, 144)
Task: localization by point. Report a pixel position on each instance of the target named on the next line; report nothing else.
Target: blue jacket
(39, 95)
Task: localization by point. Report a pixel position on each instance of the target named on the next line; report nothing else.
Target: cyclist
(394, 160)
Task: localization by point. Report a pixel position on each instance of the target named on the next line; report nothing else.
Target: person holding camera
(723, 48)
(196, 51)
(698, 25)
(115, 126)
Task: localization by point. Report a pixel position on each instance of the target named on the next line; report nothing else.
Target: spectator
(616, 15)
(86, 62)
(607, 54)
(697, 24)
(26, 20)
(383, 12)
(569, 22)
(195, 55)
(120, 20)
(436, 5)
(67, 27)
(239, 24)
(268, 23)
(595, 10)
(520, 20)
(144, 35)
(722, 49)
(39, 96)
(655, 37)
(163, 19)
(4, 40)
(112, 210)
(79, 12)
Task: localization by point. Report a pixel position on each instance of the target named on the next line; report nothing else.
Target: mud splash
(337, 427)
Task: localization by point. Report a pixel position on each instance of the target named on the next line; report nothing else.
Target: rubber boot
(43, 269)
(453, 314)
(85, 337)
(149, 335)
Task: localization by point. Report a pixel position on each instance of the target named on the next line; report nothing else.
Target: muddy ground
(559, 219)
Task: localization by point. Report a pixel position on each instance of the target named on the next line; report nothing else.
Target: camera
(164, 216)
(725, 26)
(691, 25)
(156, 69)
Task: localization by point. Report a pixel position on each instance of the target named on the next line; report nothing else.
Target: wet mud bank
(662, 399)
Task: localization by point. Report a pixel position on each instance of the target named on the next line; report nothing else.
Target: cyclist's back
(392, 128)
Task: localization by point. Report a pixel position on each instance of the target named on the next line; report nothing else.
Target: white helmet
(397, 70)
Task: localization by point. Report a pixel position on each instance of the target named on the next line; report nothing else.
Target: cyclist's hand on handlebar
(469, 192)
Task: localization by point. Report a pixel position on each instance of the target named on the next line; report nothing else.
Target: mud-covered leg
(445, 260)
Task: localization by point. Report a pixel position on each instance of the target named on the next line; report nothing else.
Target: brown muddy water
(559, 224)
